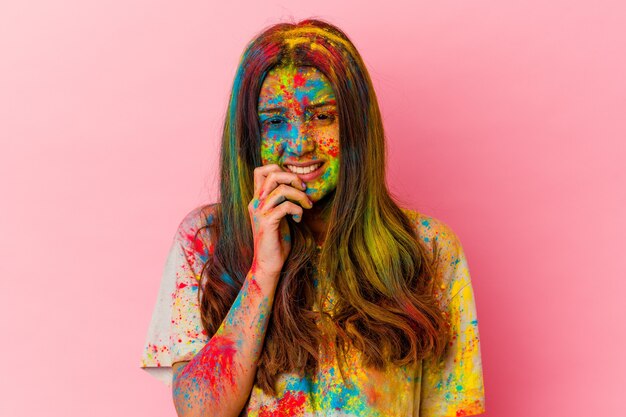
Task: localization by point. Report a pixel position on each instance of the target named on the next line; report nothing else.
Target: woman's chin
(321, 197)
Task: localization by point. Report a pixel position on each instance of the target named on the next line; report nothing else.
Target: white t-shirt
(451, 387)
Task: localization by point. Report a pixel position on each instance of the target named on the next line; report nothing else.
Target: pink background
(506, 120)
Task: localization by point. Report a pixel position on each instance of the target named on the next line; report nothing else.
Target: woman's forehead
(289, 82)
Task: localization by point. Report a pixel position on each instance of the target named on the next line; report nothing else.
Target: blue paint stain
(227, 279)
(295, 383)
(277, 100)
(236, 305)
(341, 396)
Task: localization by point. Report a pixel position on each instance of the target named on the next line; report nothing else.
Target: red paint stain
(471, 409)
(215, 366)
(331, 147)
(196, 243)
(299, 80)
(372, 395)
(289, 405)
(254, 287)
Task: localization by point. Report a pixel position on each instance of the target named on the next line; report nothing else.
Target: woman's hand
(276, 193)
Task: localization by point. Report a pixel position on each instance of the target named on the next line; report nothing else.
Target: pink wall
(504, 120)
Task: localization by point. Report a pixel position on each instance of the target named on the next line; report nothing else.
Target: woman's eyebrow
(279, 109)
(271, 110)
(322, 104)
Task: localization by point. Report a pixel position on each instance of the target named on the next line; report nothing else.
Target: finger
(285, 192)
(284, 209)
(260, 173)
(281, 177)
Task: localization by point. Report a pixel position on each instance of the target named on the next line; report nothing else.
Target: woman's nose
(299, 141)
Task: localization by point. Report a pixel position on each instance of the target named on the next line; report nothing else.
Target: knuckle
(292, 205)
(270, 175)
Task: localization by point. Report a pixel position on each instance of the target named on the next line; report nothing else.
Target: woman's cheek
(270, 151)
(329, 145)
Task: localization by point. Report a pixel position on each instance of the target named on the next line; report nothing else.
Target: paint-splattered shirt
(452, 386)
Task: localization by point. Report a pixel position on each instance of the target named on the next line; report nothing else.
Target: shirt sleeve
(175, 332)
(453, 384)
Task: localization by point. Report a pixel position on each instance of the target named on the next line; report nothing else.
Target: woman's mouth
(307, 173)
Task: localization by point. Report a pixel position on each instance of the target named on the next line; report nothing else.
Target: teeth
(305, 170)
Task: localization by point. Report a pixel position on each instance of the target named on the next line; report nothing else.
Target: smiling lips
(303, 170)
(306, 173)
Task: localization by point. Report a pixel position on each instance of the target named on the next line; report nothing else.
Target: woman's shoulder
(452, 271)
(430, 229)
(198, 218)
(194, 231)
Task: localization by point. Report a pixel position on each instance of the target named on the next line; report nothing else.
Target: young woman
(307, 290)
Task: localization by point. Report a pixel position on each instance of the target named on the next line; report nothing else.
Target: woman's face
(299, 126)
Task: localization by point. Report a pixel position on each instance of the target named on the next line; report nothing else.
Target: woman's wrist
(266, 280)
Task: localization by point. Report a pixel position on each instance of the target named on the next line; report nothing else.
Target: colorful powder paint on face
(299, 123)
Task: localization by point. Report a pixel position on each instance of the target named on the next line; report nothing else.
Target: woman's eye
(274, 122)
(324, 117)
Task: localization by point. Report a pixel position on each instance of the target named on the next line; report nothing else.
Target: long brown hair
(372, 257)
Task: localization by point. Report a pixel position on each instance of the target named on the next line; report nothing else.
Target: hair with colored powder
(374, 260)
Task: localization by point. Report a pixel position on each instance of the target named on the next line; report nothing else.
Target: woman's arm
(219, 378)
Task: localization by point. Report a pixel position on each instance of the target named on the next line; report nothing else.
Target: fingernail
(303, 185)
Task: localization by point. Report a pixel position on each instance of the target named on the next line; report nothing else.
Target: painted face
(299, 127)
